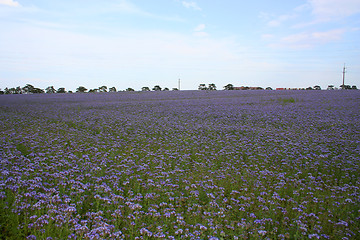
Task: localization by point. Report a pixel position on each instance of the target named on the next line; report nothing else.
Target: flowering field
(181, 165)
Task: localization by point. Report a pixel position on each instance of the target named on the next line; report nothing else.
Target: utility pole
(179, 85)
(344, 70)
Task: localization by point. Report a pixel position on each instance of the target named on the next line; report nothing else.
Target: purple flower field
(180, 165)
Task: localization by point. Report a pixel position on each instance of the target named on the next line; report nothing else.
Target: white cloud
(279, 20)
(265, 16)
(267, 36)
(310, 39)
(201, 34)
(321, 10)
(302, 8)
(75, 55)
(192, 5)
(200, 27)
(130, 8)
(328, 36)
(199, 31)
(10, 3)
(333, 9)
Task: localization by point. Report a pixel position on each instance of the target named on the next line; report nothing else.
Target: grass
(284, 101)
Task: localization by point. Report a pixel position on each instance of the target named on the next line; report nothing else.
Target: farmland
(180, 165)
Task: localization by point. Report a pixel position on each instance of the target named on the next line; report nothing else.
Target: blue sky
(137, 43)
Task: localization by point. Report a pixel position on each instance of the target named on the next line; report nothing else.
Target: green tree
(19, 90)
(12, 90)
(229, 87)
(157, 88)
(212, 87)
(103, 89)
(61, 90)
(28, 88)
(50, 89)
(202, 86)
(345, 87)
(38, 90)
(144, 89)
(112, 89)
(317, 87)
(81, 89)
(130, 90)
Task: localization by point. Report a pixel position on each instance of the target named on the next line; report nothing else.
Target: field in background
(180, 165)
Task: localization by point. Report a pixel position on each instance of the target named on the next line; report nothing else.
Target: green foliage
(229, 87)
(286, 100)
(9, 221)
(81, 89)
(25, 151)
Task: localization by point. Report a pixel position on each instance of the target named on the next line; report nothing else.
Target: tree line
(30, 89)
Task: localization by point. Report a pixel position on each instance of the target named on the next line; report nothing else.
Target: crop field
(180, 165)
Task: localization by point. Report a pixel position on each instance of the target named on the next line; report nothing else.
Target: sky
(141, 43)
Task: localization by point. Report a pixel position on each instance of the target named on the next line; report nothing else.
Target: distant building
(248, 88)
(290, 89)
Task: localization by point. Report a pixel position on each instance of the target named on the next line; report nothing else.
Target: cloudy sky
(137, 43)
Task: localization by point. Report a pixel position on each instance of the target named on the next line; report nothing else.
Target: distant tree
(7, 91)
(28, 88)
(103, 89)
(157, 88)
(202, 86)
(81, 89)
(19, 90)
(38, 90)
(93, 90)
(166, 89)
(212, 87)
(229, 87)
(61, 90)
(309, 88)
(144, 89)
(175, 89)
(12, 90)
(2, 92)
(317, 87)
(269, 88)
(354, 87)
(50, 89)
(130, 90)
(345, 87)
(112, 89)
(330, 87)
